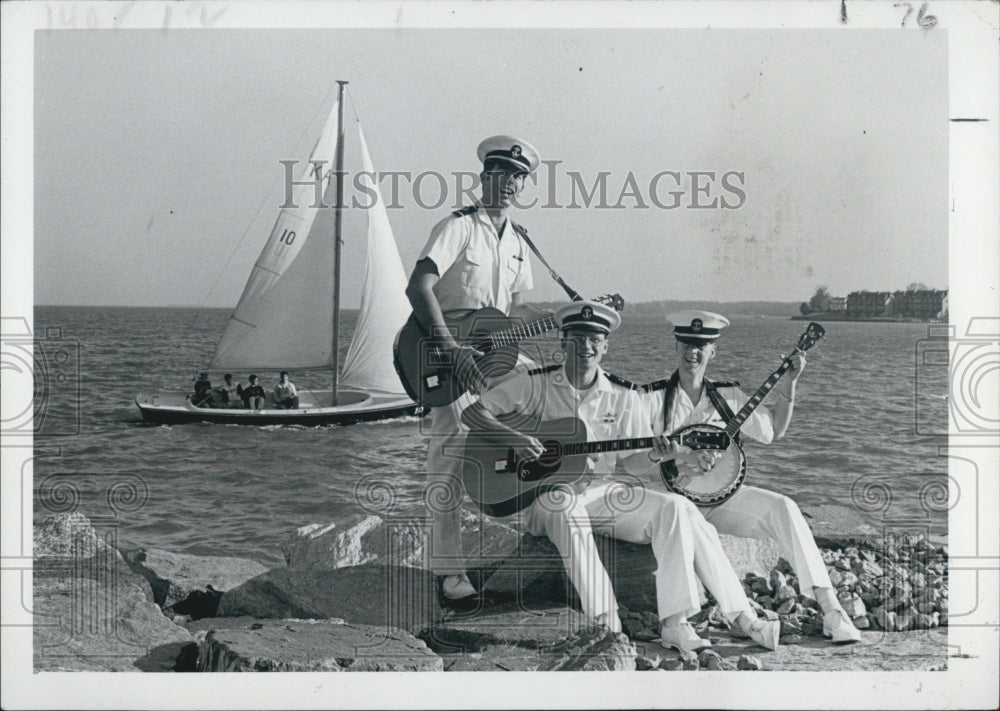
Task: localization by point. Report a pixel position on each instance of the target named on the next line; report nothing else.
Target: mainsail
(284, 319)
(384, 307)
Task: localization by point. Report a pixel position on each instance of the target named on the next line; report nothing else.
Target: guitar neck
(607, 445)
(515, 334)
(734, 425)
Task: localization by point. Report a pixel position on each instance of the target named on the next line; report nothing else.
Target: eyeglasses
(594, 340)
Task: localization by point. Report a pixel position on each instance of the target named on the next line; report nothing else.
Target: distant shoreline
(871, 319)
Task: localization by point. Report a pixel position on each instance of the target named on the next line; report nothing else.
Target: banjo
(726, 476)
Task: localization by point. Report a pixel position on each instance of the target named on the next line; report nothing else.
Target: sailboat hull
(356, 406)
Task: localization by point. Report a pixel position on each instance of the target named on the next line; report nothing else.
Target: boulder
(68, 544)
(313, 645)
(383, 596)
(173, 577)
(536, 573)
(91, 613)
(537, 637)
(399, 541)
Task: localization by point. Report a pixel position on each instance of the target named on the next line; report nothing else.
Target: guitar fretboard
(607, 445)
(516, 334)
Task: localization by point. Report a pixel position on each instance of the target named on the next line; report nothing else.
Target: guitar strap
(721, 406)
(573, 295)
(669, 393)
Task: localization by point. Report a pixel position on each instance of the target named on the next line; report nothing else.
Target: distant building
(924, 304)
(868, 303)
(837, 304)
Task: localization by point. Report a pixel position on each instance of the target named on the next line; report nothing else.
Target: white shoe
(838, 625)
(457, 587)
(765, 633)
(682, 637)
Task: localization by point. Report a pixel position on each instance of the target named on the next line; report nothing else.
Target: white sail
(284, 319)
(384, 307)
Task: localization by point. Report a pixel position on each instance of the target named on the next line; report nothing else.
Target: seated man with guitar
(569, 495)
(688, 400)
(475, 258)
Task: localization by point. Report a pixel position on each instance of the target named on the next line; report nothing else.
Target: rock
(848, 580)
(853, 605)
(644, 663)
(91, 613)
(777, 580)
(368, 595)
(924, 622)
(770, 615)
(533, 638)
(673, 665)
(790, 624)
(364, 539)
(787, 606)
(843, 564)
(836, 576)
(748, 663)
(174, 576)
(710, 659)
(314, 645)
(689, 661)
(925, 607)
(68, 545)
(785, 592)
(861, 622)
(790, 639)
(885, 618)
(812, 628)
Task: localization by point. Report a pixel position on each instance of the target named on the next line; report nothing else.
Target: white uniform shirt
(476, 268)
(608, 410)
(759, 425)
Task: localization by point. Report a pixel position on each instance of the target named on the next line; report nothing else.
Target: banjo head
(714, 486)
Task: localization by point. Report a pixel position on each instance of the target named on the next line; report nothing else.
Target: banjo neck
(740, 417)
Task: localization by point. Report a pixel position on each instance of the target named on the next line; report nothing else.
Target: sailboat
(288, 317)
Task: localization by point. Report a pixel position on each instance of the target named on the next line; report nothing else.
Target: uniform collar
(483, 217)
(602, 384)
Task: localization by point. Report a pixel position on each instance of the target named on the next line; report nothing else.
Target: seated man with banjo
(600, 414)
(713, 478)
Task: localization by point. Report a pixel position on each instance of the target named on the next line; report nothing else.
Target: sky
(156, 150)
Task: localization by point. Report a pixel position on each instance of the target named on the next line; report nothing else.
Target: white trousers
(758, 513)
(444, 491)
(686, 547)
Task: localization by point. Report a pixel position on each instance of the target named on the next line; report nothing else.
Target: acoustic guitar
(427, 369)
(500, 483)
(727, 474)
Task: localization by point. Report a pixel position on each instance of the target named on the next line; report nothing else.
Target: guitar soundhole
(545, 465)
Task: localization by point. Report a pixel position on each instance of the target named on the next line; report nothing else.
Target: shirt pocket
(511, 272)
(476, 267)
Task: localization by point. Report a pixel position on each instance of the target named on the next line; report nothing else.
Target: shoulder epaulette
(546, 369)
(618, 380)
(725, 383)
(654, 386)
(465, 211)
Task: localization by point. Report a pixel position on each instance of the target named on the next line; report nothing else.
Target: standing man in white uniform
(474, 258)
(751, 512)
(683, 542)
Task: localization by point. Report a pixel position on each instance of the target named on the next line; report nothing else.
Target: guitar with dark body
(500, 483)
(427, 369)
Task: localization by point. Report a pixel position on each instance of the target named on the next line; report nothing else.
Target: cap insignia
(696, 325)
(515, 151)
(587, 313)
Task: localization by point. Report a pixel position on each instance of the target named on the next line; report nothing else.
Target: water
(236, 490)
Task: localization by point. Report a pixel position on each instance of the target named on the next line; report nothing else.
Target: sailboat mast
(339, 208)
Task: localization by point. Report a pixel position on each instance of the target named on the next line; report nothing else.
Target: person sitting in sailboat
(202, 391)
(229, 393)
(285, 395)
(254, 396)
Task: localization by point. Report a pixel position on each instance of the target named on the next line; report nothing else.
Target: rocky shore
(354, 596)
